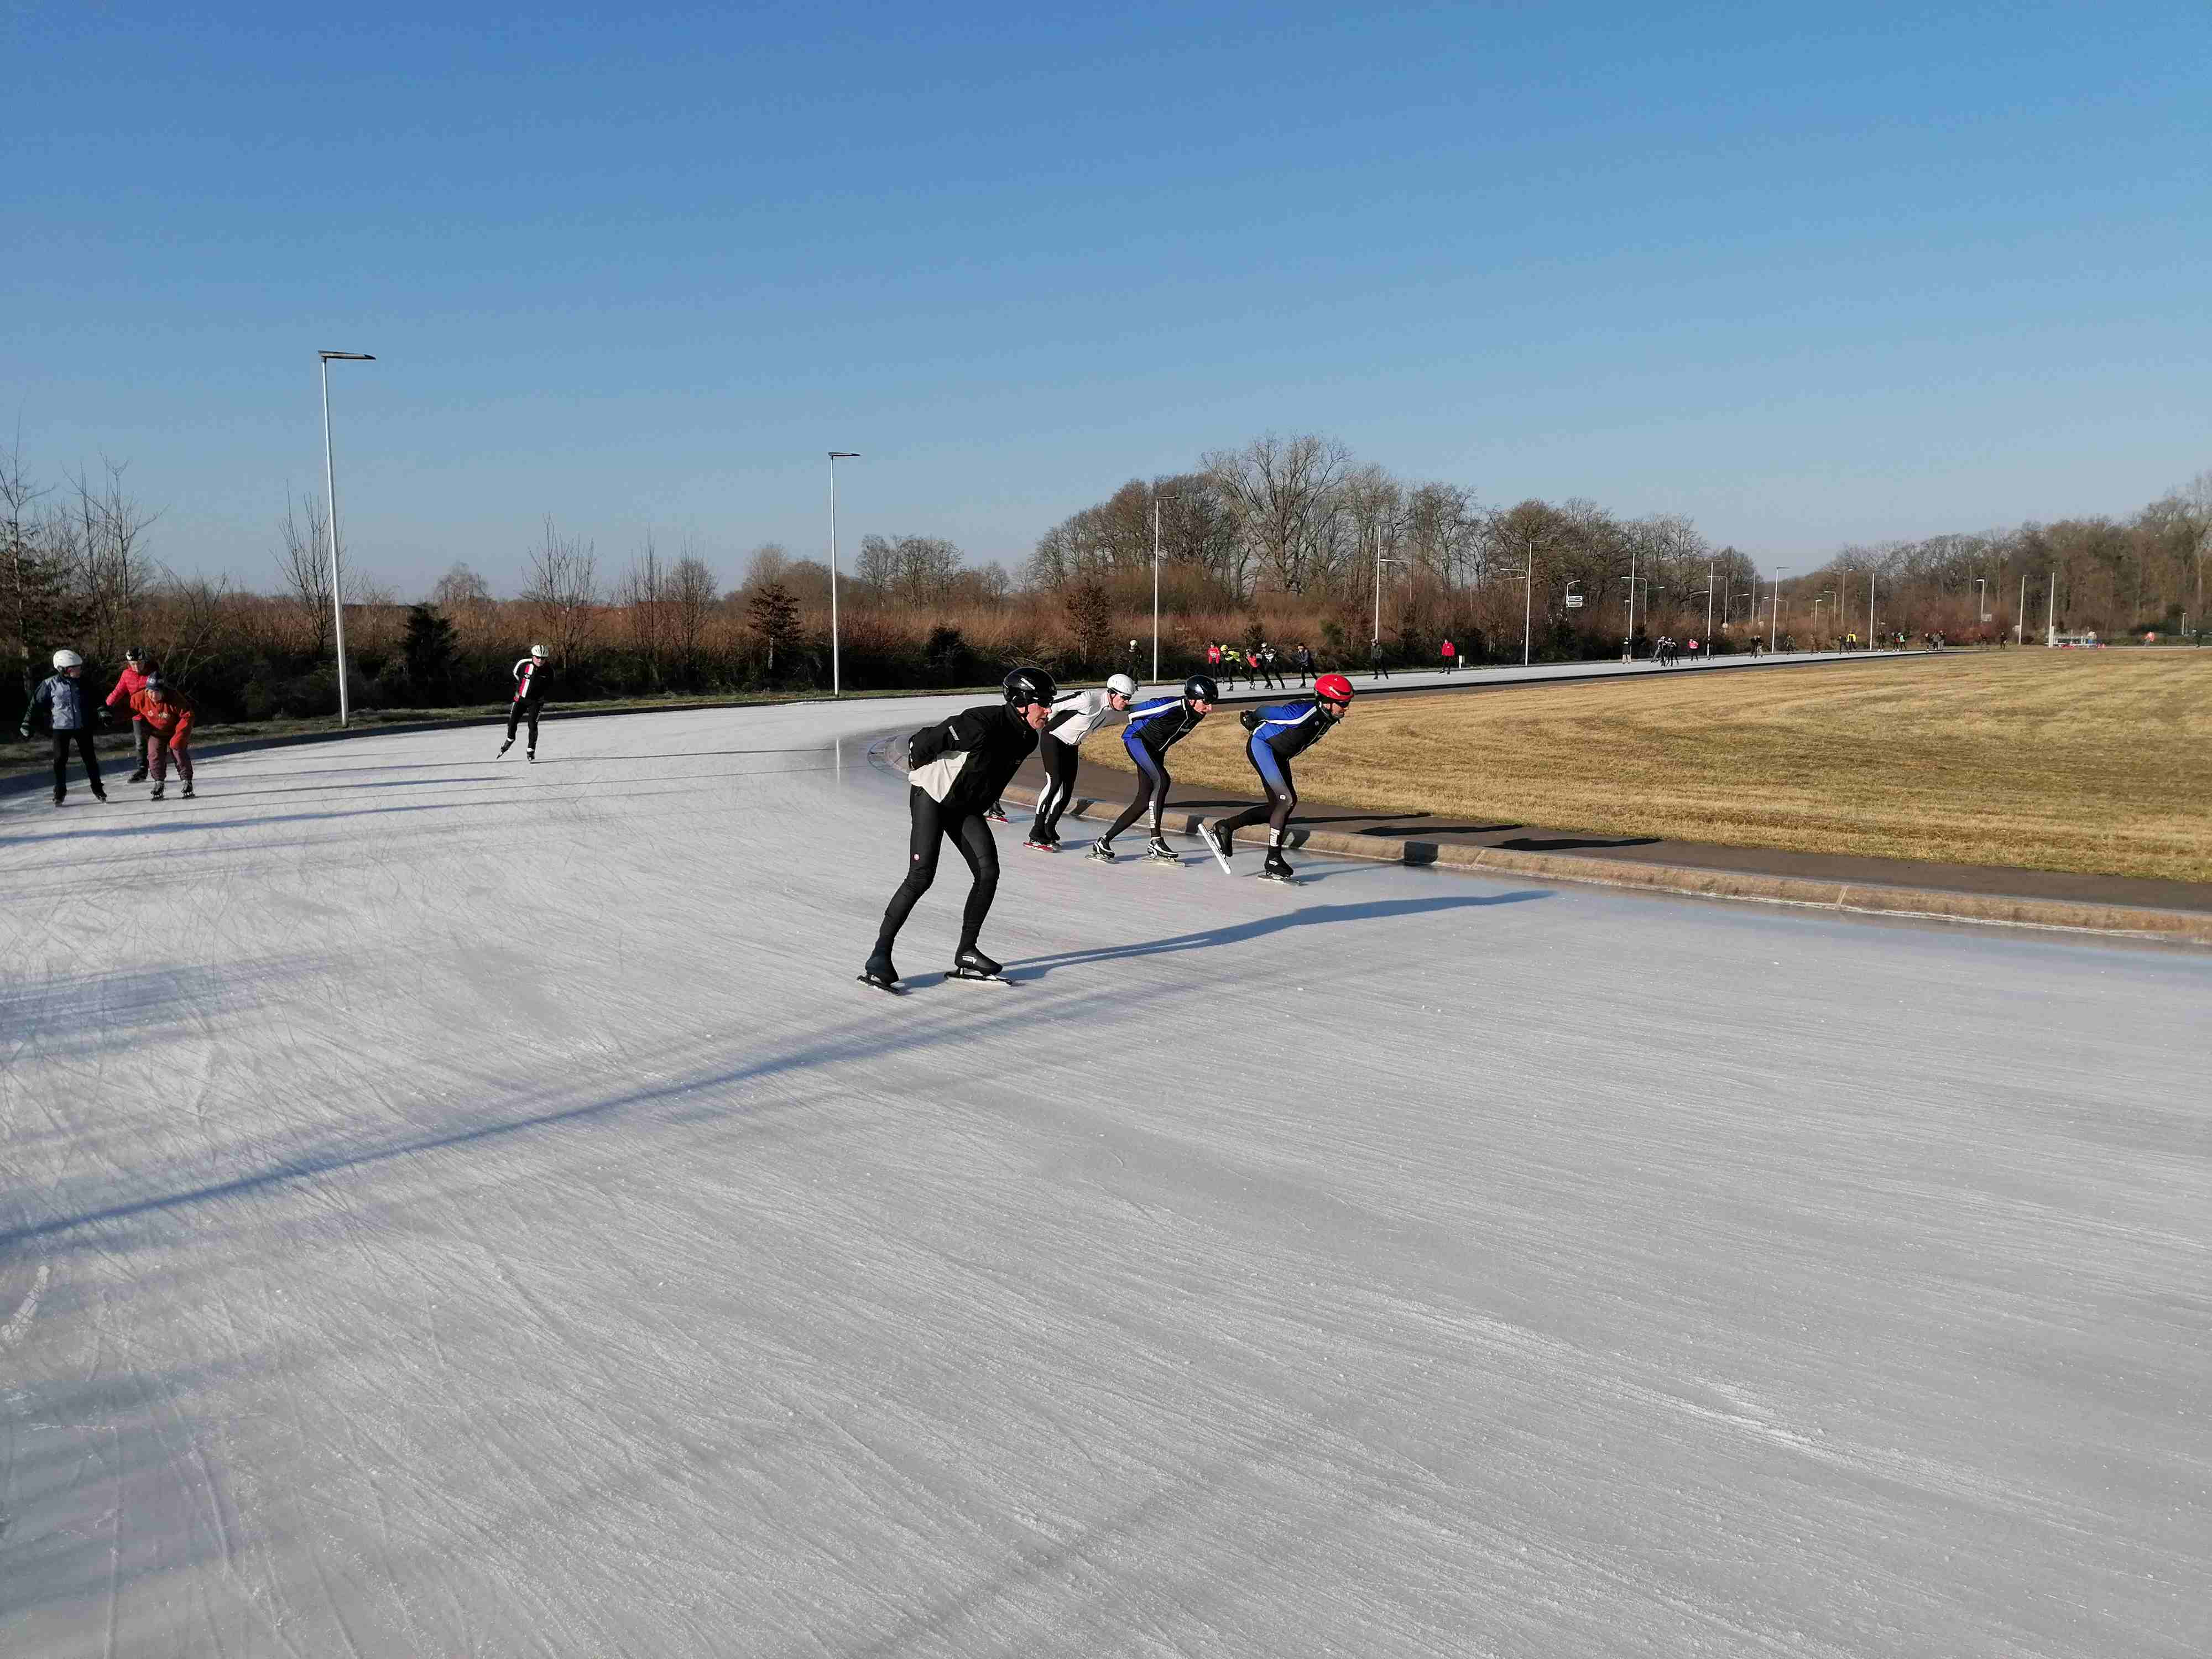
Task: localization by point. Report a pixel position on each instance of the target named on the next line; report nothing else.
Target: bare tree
(460, 589)
(562, 592)
(114, 571)
(767, 563)
(640, 593)
(303, 564)
(1285, 495)
(691, 600)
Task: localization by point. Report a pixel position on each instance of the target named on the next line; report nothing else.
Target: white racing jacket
(1077, 716)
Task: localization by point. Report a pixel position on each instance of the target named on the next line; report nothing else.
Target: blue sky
(1871, 273)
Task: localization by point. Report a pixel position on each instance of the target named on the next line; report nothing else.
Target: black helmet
(154, 682)
(1028, 685)
(134, 654)
(1198, 689)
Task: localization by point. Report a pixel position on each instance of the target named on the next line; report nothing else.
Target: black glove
(1249, 720)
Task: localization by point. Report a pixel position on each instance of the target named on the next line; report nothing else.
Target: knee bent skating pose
(1280, 732)
(956, 770)
(1075, 715)
(1155, 726)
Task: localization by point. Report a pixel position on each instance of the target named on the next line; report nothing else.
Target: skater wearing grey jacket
(70, 713)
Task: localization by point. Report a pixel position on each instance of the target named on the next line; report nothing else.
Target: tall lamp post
(331, 495)
(1628, 646)
(1774, 615)
(1375, 641)
(836, 667)
(1527, 599)
(1981, 600)
(1869, 609)
(1157, 499)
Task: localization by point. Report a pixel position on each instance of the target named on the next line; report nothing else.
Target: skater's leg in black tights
(922, 865)
(513, 719)
(1060, 759)
(1151, 792)
(971, 836)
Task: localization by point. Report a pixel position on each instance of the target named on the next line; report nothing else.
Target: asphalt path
(455, 1206)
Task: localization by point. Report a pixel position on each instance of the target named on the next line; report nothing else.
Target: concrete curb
(1855, 898)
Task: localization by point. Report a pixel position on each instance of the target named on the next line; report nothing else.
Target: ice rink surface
(460, 1207)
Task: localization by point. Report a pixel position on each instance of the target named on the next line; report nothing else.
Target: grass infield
(2094, 762)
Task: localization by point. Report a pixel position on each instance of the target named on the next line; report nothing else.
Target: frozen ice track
(459, 1207)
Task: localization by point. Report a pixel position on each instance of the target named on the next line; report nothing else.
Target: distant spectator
(1451, 656)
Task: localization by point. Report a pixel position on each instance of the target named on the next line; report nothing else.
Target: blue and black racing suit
(1155, 726)
(1280, 732)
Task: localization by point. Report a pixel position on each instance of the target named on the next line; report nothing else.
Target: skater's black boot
(504, 747)
(879, 972)
(1219, 841)
(139, 776)
(188, 791)
(972, 964)
(1277, 868)
(1099, 849)
(1159, 852)
(158, 788)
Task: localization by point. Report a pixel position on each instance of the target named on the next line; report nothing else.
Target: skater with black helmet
(128, 684)
(1280, 732)
(70, 716)
(956, 770)
(531, 679)
(1075, 715)
(1155, 726)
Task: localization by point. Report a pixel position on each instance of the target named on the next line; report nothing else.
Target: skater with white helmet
(1155, 726)
(531, 678)
(70, 716)
(955, 770)
(1280, 732)
(1075, 715)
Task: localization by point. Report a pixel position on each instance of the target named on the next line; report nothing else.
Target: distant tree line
(1288, 539)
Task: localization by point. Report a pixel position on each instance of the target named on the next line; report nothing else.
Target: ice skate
(1157, 851)
(1219, 842)
(881, 975)
(503, 748)
(139, 776)
(972, 964)
(529, 755)
(1278, 868)
(188, 791)
(97, 794)
(997, 812)
(1099, 850)
(158, 788)
(1043, 843)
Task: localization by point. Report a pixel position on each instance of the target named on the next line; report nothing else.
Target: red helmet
(1333, 688)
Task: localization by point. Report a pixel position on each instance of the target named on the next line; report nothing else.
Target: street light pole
(1708, 609)
(2020, 613)
(2050, 625)
(330, 496)
(1157, 499)
(1774, 616)
(836, 667)
(1527, 599)
(1869, 609)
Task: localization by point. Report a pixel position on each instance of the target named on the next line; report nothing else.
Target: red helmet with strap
(1333, 688)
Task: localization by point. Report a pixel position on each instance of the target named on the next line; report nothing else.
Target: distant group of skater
(957, 769)
(160, 723)
(1257, 664)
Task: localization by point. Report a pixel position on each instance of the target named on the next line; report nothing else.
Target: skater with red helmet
(1280, 732)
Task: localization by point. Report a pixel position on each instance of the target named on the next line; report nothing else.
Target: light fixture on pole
(1869, 609)
(1157, 499)
(330, 498)
(1375, 642)
(836, 667)
(1774, 615)
(1527, 599)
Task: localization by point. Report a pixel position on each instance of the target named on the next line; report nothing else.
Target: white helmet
(1121, 683)
(538, 651)
(68, 659)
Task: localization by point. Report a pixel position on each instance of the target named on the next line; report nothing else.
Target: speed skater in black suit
(956, 770)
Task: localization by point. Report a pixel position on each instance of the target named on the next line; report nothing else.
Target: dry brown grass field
(2094, 762)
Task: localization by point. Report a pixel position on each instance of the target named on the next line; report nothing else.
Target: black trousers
(139, 733)
(933, 826)
(82, 739)
(521, 711)
(1060, 759)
